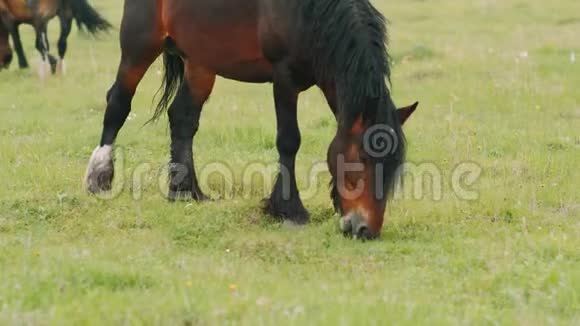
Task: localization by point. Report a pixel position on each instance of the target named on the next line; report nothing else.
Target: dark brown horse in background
(38, 13)
(5, 49)
(337, 45)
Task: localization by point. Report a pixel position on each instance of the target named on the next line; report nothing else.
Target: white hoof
(43, 70)
(100, 171)
(61, 67)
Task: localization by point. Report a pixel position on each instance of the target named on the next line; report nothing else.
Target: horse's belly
(255, 71)
(235, 57)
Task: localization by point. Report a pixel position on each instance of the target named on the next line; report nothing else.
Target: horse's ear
(406, 112)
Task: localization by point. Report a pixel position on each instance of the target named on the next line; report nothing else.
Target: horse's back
(221, 35)
(47, 8)
(15, 9)
(236, 39)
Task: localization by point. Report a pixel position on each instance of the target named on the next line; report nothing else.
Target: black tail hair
(172, 80)
(87, 17)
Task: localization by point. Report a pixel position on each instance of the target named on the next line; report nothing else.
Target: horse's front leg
(285, 200)
(184, 115)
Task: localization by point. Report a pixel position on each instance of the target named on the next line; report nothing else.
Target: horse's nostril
(363, 232)
(355, 225)
(346, 226)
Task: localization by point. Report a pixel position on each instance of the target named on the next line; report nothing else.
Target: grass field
(498, 84)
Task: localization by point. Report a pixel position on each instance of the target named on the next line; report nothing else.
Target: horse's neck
(353, 101)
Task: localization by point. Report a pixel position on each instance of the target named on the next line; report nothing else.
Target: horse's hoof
(61, 67)
(100, 171)
(301, 218)
(292, 211)
(179, 195)
(185, 195)
(43, 71)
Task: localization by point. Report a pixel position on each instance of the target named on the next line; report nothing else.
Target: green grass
(510, 257)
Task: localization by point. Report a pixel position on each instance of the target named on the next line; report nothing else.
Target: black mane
(348, 41)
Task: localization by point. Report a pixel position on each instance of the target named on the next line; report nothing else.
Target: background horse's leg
(15, 33)
(66, 19)
(141, 44)
(48, 63)
(285, 200)
(184, 115)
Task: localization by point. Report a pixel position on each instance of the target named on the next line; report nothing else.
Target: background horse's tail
(173, 77)
(87, 17)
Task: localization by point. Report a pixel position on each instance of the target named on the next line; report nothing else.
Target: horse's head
(5, 49)
(364, 161)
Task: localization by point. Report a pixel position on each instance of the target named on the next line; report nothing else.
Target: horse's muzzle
(356, 226)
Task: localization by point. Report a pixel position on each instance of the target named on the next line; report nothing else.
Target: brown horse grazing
(38, 13)
(337, 45)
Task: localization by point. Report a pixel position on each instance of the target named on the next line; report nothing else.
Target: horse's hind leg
(22, 62)
(48, 63)
(184, 115)
(141, 44)
(13, 29)
(66, 19)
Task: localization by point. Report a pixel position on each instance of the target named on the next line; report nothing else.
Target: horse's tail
(172, 79)
(87, 17)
